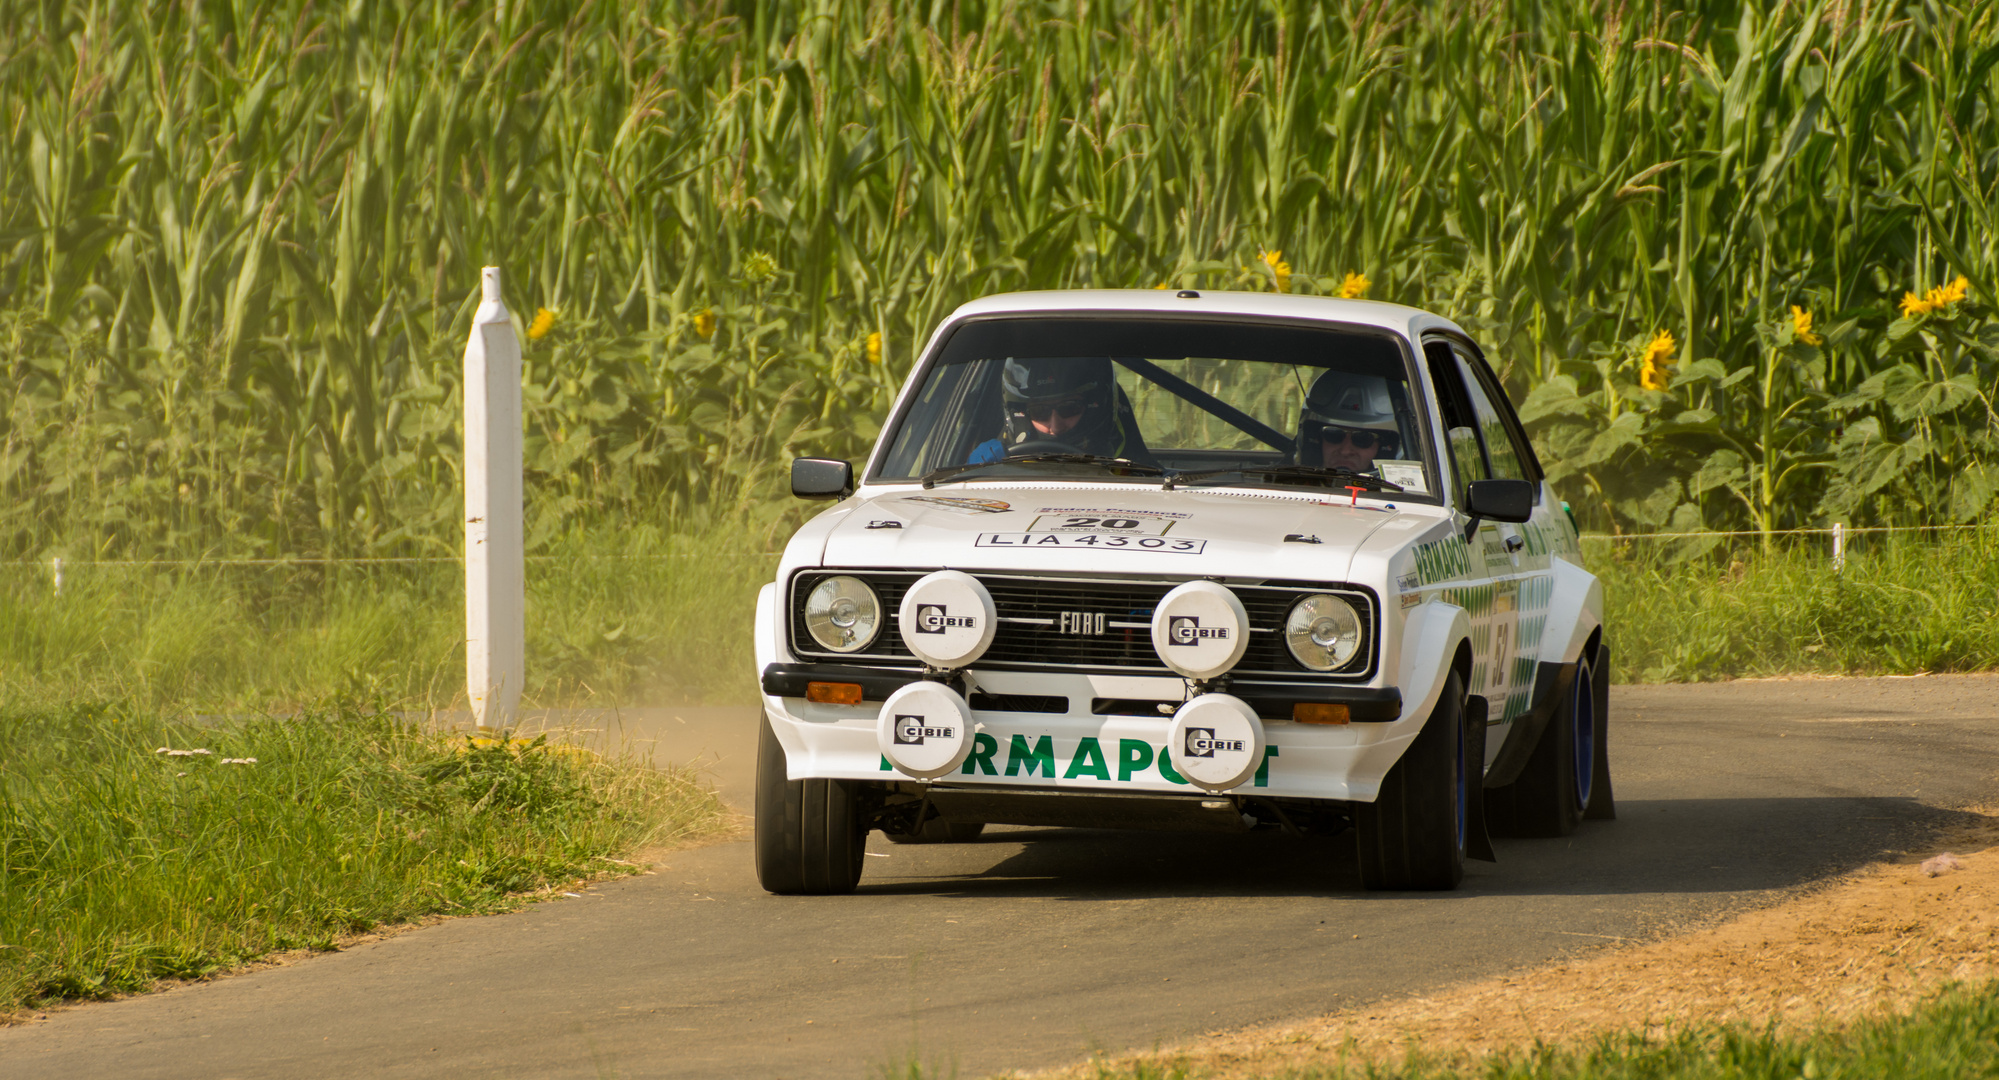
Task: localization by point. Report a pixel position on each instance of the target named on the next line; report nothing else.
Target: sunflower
(544, 321)
(1936, 299)
(1801, 326)
(704, 322)
(1655, 360)
(875, 347)
(1280, 271)
(1355, 287)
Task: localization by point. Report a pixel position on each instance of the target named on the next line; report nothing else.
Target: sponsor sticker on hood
(960, 505)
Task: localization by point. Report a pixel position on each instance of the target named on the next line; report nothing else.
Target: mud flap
(1602, 804)
(1478, 845)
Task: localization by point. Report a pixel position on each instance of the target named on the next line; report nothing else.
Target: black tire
(1602, 800)
(1413, 835)
(1560, 777)
(939, 831)
(810, 836)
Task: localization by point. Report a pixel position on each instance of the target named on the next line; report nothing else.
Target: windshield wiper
(1124, 466)
(1326, 475)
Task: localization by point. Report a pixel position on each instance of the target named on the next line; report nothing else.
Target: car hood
(1122, 530)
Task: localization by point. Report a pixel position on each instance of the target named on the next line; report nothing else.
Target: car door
(1487, 601)
(1516, 556)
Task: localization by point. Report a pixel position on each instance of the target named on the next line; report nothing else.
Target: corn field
(1735, 260)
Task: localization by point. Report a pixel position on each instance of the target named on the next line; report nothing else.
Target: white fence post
(1838, 546)
(495, 574)
(55, 564)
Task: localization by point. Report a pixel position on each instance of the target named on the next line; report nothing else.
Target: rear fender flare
(1575, 612)
(1575, 623)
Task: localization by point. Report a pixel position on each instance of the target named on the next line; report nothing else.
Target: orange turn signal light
(836, 693)
(1312, 712)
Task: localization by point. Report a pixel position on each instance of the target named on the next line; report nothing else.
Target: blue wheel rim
(1582, 715)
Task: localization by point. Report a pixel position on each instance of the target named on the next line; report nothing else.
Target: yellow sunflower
(1656, 360)
(1280, 271)
(1801, 326)
(544, 321)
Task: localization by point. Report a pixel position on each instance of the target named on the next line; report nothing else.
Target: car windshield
(1206, 401)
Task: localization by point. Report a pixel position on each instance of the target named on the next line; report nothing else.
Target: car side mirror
(1497, 500)
(821, 478)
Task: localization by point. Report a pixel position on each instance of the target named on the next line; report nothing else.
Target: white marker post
(495, 574)
(1838, 546)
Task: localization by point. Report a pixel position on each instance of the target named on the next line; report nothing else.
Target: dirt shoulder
(1877, 940)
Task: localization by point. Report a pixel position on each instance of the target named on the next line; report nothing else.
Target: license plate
(1172, 545)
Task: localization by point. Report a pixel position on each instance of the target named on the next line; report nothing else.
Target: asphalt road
(1037, 946)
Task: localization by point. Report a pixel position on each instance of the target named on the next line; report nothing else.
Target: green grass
(645, 618)
(1953, 1036)
(120, 864)
(1904, 603)
(629, 615)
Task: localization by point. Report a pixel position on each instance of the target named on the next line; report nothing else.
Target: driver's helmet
(1355, 402)
(1072, 385)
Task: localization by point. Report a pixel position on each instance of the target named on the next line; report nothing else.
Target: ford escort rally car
(1193, 560)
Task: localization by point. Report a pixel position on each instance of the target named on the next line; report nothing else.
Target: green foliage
(1902, 604)
(122, 862)
(614, 617)
(244, 239)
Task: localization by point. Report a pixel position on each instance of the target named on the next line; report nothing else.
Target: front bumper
(1080, 749)
(1271, 700)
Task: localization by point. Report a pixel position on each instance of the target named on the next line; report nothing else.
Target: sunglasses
(1069, 409)
(1362, 440)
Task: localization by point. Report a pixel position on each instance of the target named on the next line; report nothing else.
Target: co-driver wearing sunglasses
(1352, 448)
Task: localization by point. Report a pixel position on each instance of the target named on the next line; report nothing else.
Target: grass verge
(133, 848)
(1903, 603)
(621, 615)
(1952, 1035)
(642, 616)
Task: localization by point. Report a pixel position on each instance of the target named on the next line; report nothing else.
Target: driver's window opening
(1045, 398)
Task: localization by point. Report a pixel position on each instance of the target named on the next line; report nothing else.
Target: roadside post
(495, 574)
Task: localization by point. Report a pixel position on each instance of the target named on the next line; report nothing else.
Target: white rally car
(1205, 561)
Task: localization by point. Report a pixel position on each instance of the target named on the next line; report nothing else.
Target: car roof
(1396, 318)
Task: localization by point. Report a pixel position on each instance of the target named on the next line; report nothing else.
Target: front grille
(1030, 611)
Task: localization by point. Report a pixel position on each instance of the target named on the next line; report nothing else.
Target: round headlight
(1323, 632)
(843, 614)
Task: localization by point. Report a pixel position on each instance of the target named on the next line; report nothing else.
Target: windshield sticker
(1112, 541)
(1129, 522)
(1407, 475)
(962, 505)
